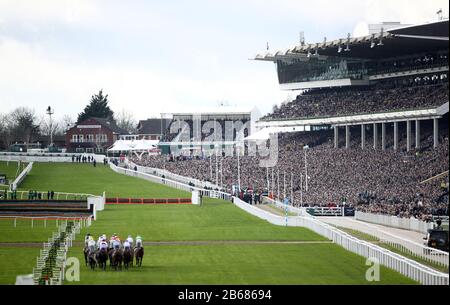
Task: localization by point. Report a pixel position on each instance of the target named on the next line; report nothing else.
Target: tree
(126, 120)
(23, 125)
(98, 107)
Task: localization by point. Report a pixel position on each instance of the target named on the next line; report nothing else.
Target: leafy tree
(98, 107)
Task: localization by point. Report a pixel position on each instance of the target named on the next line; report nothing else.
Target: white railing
(21, 195)
(406, 246)
(411, 224)
(172, 176)
(405, 266)
(170, 183)
(45, 157)
(22, 176)
(61, 254)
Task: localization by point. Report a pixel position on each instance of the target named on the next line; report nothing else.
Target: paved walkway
(369, 228)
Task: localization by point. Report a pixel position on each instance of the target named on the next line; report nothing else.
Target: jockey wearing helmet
(126, 244)
(86, 239)
(138, 241)
(91, 244)
(103, 244)
(130, 240)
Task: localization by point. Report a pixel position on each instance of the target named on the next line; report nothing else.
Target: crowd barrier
(403, 265)
(45, 157)
(170, 183)
(161, 172)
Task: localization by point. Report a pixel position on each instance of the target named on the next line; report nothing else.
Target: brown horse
(127, 257)
(86, 252)
(117, 259)
(92, 258)
(102, 257)
(139, 255)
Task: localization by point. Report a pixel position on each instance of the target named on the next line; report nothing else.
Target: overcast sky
(160, 56)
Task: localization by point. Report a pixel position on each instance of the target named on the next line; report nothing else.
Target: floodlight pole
(239, 167)
(217, 168)
(284, 184)
(267, 177)
(50, 111)
(292, 188)
(278, 183)
(301, 189)
(273, 182)
(306, 172)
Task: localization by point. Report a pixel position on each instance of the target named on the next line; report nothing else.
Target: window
(81, 138)
(80, 150)
(89, 150)
(74, 138)
(90, 138)
(99, 149)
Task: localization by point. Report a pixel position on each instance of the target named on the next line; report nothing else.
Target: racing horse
(117, 259)
(91, 256)
(139, 255)
(102, 257)
(127, 257)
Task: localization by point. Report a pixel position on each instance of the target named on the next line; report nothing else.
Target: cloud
(153, 56)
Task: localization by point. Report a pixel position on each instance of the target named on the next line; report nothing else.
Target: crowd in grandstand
(377, 181)
(425, 92)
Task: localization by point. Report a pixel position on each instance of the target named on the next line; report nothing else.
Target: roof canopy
(392, 43)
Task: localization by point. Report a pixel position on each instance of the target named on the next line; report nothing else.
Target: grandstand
(388, 92)
(204, 129)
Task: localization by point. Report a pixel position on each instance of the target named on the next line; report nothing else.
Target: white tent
(144, 144)
(120, 145)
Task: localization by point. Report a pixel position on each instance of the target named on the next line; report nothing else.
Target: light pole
(306, 172)
(50, 112)
(239, 168)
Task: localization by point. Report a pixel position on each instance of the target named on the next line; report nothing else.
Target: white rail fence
(22, 176)
(171, 176)
(170, 183)
(407, 246)
(395, 222)
(405, 266)
(58, 269)
(45, 157)
(21, 195)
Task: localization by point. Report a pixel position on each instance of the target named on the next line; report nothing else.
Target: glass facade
(317, 68)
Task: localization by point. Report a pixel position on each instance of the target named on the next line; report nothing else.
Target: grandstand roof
(394, 42)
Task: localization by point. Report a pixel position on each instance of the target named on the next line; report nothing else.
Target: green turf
(214, 220)
(16, 261)
(23, 232)
(242, 264)
(11, 169)
(85, 178)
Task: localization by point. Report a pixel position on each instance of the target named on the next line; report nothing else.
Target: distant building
(93, 135)
(152, 129)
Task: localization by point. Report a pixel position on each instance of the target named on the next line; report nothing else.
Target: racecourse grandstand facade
(388, 93)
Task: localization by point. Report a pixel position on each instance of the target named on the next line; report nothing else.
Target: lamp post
(50, 112)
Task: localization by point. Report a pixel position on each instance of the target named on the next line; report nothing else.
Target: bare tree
(23, 125)
(126, 120)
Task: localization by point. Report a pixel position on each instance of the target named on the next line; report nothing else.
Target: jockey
(103, 244)
(130, 240)
(86, 239)
(91, 244)
(138, 241)
(126, 244)
(111, 241)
